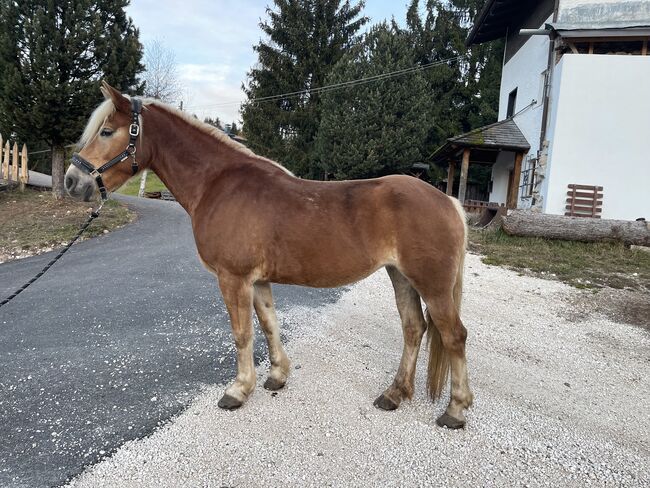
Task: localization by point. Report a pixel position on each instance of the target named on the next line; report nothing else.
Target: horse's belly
(325, 267)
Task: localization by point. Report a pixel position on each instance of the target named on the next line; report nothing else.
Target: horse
(255, 223)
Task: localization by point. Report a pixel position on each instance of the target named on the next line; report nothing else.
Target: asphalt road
(115, 339)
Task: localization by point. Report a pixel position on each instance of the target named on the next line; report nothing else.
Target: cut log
(533, 224)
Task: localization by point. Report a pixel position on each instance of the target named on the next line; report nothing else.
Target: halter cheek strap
(134, 132)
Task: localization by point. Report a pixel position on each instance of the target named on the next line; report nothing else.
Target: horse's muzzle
(78, 188)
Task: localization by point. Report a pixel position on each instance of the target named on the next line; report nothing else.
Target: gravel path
(556, 403)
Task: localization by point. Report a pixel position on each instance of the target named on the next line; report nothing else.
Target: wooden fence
(584, 201)
(13, 164)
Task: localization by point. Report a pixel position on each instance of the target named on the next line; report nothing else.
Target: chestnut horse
(255, 224)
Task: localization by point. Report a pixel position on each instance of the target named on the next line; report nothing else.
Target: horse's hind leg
(263, 301)
(447, 347)
(413, 327)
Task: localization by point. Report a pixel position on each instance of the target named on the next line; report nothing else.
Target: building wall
(500, 175)
(599, 133)
(524, 71)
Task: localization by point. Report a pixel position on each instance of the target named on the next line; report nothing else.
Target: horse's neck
(186, 158)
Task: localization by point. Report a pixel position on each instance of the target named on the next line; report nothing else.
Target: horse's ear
(122, 104)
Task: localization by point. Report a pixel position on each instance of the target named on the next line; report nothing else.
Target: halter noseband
(134, 132)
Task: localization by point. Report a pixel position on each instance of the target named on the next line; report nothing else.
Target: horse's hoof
(228, 402)
(446, 420)
(385, 403)
(273, 384)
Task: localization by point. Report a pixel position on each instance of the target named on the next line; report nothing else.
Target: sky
(213, 44)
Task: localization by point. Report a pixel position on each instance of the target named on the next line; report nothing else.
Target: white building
(574, 130)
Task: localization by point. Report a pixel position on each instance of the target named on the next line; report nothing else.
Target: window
(528, 178)
(512, 103)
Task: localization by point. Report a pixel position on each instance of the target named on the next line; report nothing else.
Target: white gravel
(557, 403)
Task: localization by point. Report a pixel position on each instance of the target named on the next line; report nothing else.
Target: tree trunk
(533, 224)
(58, 157)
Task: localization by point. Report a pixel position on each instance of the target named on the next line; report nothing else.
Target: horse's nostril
(69, 182)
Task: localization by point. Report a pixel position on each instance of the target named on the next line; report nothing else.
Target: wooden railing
(13, 164)
(478, 206)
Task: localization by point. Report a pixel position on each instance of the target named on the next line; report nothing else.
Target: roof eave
(479, 22)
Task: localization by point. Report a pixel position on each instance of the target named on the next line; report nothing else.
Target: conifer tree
(305, 38)
(52, 57)
(375, 128)
(466, 91)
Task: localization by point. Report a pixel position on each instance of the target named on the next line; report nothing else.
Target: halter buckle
(95, 174)
(134, 130)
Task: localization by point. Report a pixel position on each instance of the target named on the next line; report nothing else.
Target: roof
(497, 17)
(500, 136)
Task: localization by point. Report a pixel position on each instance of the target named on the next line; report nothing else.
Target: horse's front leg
(238, 296)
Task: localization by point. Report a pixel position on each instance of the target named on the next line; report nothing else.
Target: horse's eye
(106, 133)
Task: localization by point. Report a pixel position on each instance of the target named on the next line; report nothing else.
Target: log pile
(526, 223)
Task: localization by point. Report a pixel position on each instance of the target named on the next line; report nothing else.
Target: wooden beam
(5, 162)
(513, 194)
(462, 187)
(2, 164)
(14, 163)
(24, 170)
(451, 173)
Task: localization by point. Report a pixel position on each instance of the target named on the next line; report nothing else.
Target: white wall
(599, 133)
(500, 176)
(524, 71)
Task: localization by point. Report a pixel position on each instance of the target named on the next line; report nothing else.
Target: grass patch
(132, 187)
(581, 264)
(33, 221)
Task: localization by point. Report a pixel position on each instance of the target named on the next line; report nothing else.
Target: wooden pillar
(24, 170)
(14, 163)
(2, 162)
(513, 191)
(451, 173)
(462, 187)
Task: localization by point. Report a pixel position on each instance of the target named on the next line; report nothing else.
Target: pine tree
(213, 122)
(466, 92)
(376, 128)
(52, 57)
(305, 38)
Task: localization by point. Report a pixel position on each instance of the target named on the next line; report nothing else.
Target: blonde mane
(107, 108)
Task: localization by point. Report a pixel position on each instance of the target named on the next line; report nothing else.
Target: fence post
(14, 163)
(5, 163)
(24, 170)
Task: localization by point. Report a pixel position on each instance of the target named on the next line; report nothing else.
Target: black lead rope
(94, 214)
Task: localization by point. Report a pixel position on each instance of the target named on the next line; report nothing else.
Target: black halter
(134, 132)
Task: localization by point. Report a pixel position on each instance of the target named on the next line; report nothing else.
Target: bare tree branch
(161, 75)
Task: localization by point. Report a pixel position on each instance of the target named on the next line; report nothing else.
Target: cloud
(211, 91)
(213, 43)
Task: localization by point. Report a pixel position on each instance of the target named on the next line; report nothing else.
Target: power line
(335, 86)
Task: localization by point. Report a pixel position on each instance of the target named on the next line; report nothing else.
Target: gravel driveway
(557, 403)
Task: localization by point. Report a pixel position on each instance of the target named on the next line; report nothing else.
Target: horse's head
(109, 136)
